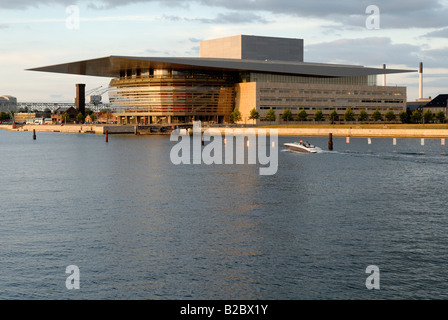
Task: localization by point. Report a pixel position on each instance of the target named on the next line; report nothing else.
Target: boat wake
(316, 150)
(418, 157)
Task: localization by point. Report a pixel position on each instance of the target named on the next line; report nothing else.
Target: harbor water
(139, 227)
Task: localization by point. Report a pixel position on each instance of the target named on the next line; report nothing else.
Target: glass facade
(153, 95)
(327, 98)
(162, 92)
(369, 80)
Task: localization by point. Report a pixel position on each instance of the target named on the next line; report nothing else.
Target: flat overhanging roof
(111, 66)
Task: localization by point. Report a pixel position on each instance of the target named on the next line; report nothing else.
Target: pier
(354, 132)
(96, 128)
(322, 131)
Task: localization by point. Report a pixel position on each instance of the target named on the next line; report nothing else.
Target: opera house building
(243, 72)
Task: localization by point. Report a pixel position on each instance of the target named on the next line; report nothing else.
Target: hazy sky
(37, 33)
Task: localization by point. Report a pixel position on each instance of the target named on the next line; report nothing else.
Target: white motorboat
(301, 147)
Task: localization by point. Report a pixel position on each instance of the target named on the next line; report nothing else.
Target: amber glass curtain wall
(173, 93)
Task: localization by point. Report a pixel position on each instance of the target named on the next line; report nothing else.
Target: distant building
(243, 72)
(411, 106)
(56, 116)
(437, 104)
(418, 104)
(106, 117)
(22, 117)
(8, 103)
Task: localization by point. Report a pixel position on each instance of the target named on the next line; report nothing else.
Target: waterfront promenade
(369, 131)
(366, 131)
(72, 128)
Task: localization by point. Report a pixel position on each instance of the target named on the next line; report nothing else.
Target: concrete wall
(270, 48)
(253, 48)
(77, 128)
(226, 48)
(343, 132)
(118, 129)
(300, 132)
(246, 100)
(71, 128)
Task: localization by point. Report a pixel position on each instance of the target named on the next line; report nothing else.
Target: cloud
(172, 18)
(108, 4)
(349, 13)
(152, 52)
(95, 4)
(26, 4)
(373, 51)
(194, 51)
(221, 18)
(440, 33)
(435, 58)
(393, 13)
(194, 40)
(234, 17)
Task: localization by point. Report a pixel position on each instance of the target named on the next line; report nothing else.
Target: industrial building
(439, 103)
(243, 72)
(57, 115)
(8, 103)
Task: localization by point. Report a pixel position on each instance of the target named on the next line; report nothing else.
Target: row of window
(369, 80)
(337, 92)
(301, 99)
(326, 108)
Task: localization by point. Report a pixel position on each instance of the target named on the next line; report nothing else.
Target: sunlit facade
(166, 95)
(312, 97)
(242, 72)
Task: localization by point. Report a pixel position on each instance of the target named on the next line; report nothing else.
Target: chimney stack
(420, 73)
(81, 98)
(384, 76)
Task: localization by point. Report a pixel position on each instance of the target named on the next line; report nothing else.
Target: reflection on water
(139, 227)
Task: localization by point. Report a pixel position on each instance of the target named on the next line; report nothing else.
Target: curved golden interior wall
(176, 95)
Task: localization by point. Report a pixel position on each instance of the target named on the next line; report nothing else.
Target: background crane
(93, 90)
(95, 96)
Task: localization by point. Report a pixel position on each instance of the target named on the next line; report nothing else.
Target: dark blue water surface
(139, 227)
